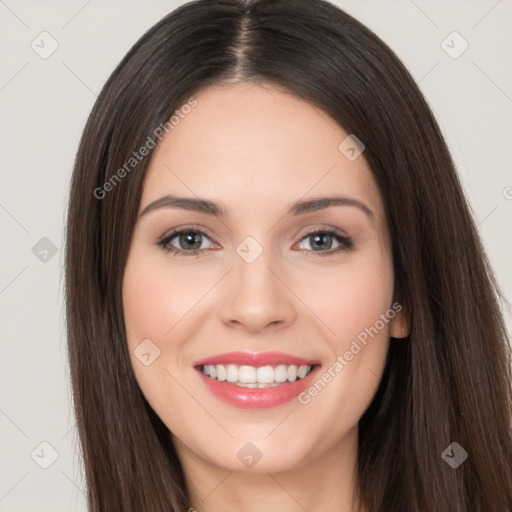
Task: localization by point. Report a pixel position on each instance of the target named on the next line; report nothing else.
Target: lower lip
(257, 398)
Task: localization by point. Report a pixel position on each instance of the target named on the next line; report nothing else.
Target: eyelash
(345, 242)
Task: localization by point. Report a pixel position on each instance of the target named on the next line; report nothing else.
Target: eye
(320, 242)
(190, 242)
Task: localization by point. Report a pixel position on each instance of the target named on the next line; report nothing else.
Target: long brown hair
(449, 381)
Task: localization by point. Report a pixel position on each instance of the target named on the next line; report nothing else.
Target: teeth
(265, 374)
(231, 372)
(302, 371)
(247, 375)
(252, 377)
(281, 373)
(221, 371)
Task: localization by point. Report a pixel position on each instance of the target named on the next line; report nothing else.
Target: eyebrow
(210, 208)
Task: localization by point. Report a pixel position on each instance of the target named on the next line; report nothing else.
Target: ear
(400, 325)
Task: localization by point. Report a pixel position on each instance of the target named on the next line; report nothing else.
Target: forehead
(255, 146)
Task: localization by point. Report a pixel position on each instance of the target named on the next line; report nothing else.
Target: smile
(256, 377)
(250, 380)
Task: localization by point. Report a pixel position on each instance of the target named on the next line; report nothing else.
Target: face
(280, 286)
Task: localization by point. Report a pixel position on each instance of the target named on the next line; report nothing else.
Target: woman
(244, 371)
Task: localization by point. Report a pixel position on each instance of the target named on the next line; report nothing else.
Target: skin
(256, 150)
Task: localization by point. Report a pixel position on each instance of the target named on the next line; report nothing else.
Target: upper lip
(255, 359)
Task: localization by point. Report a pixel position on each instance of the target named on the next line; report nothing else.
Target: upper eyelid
(175, 232)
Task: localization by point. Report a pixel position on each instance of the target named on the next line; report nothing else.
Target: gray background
(44, 104)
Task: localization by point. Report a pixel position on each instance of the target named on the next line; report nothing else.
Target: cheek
(156, 297)
(150, 311)
(152, 307)
(146, 305)
(357, 307)
(351, 299)
(363, 297)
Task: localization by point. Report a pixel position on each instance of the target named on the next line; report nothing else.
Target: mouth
(256, 377)
(256, 380)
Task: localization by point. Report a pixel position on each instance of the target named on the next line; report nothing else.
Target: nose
(257, 297)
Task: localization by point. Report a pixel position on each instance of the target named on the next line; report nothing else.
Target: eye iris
(190, 237)
(319, 239)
